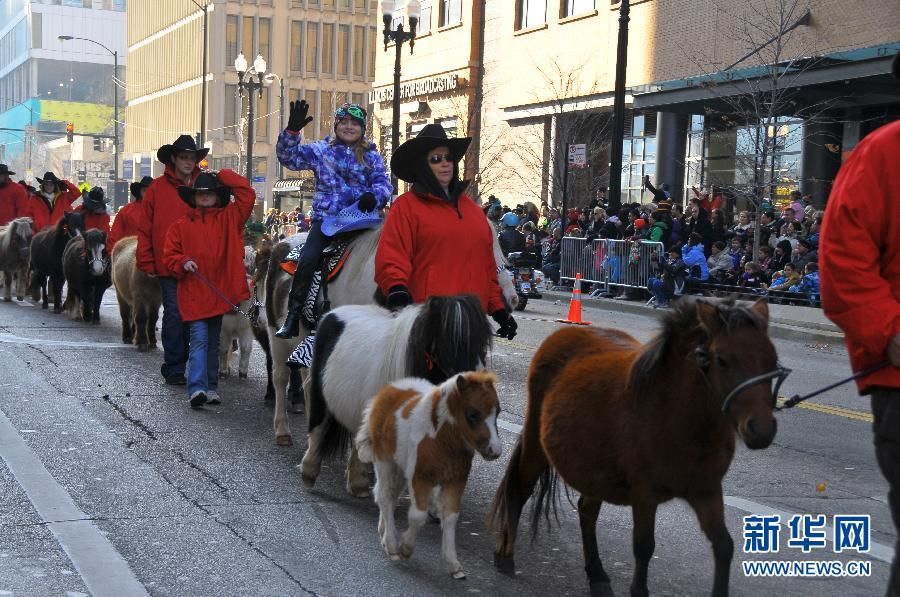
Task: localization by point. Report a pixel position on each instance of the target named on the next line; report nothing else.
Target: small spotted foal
(423, 437)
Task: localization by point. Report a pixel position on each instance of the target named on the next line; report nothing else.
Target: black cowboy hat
(182, 143)
(48, 177)
(206, 181)
(403, 162)
(94, 200)
(138, 186)
(4, 169)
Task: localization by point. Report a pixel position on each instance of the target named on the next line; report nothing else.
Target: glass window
(328, 48)
(231, 112)
(327, 3)
(576, 7)
(265, 33)
(451, 12)
(532, 13)
(313, 3)
(296, 45)
(637, 150)
(637, 129)
(231, 38)
(650, 148)
(311, 132)
(361, 4)
(373, 40)
(359, 45)
(312, 47)
(425, 19)
(248, 42)
(262, 115)
(343, 47)
(345, 4)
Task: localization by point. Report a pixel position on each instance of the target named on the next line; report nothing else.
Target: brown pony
(639, 425)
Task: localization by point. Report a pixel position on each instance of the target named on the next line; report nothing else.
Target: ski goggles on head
(352, 111)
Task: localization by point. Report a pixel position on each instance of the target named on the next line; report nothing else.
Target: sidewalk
(789, 322)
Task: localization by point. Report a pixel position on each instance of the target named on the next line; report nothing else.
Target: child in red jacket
(205, 252)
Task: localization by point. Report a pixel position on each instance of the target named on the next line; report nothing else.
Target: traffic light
(96, 144)
(70, 132)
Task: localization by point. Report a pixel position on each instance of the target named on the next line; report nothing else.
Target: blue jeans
(657, 289)
(203, 362)
(175, 334)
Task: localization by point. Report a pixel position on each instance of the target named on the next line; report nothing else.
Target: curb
(779, 327)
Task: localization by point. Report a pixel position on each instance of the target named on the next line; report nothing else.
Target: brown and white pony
(139, 296)
(423, 437)
(15, 249)
(639, 425)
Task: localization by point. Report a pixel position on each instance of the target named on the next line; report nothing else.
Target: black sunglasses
(438, 158)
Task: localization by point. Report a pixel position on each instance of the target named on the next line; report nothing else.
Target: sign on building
(577, 155)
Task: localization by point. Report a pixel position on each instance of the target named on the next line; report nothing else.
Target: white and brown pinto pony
(423, 437)
(360, 349)
(15, 249)
(354, 286)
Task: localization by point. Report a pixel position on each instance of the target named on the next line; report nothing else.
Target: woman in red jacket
(204, 251)
(127, 222)
(436, 241)
(53, 198)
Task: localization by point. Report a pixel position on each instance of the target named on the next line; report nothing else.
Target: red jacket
(161, 206)
(13, 202)
(214, 239)
(95, 220)
(46, 215)
(126, 223)
(435, 249)
(860, 253)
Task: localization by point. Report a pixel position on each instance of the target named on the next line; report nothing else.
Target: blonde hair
(359, 148)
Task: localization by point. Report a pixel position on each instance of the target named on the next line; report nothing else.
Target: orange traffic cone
(575, 305)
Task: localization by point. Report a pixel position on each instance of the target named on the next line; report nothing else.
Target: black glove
(367, 202)
(398, 298)
(298, 116)
(508, 325)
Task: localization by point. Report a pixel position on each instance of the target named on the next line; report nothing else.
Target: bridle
(779, 374)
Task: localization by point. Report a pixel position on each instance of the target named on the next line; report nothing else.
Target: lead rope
(797, 399)
(212, 287)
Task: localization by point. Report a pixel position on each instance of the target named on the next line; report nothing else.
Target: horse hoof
(395, 557)
(242, 376)
(505, 564)
(406, 551)
(601, 588)
(127, 340)
(143, 348)
(360, 493)
(458, 575)
(43, 306)
(284, 441)
(308, 482)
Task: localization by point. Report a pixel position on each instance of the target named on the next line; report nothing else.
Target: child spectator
(695, 259)
(765, 261)
(721, 266)
(783, 279)
(204, 251)
(809, 285)
(752, 276)
(736, 251)
(671, 280)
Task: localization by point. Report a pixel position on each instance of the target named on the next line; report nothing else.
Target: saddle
(334, 256)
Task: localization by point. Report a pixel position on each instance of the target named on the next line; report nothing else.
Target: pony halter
(779, 373)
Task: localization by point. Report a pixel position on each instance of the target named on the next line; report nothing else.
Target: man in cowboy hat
(53, 198)
(127, 220)
(93, 206)
(436, 240)
(161, 206)
(13, 197)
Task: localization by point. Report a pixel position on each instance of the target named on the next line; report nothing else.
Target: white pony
(360, 349)
(15, 247)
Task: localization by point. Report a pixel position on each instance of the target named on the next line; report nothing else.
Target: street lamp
(269, 78)
(115, 55)
(255, 87)
(205, 8)
(398, 36)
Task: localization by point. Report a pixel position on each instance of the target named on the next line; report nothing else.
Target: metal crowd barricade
(609, 262)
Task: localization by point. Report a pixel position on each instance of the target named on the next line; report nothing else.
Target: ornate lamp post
(398, 36)
(254, 87)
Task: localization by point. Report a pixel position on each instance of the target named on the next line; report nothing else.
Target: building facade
(46, 83)
(750, 97)
(318, 50)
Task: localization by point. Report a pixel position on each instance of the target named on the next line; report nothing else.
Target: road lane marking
(878, 551)
(13, 339)
(104, 571)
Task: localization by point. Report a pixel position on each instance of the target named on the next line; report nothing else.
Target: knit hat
(639, 224)
(353, 111)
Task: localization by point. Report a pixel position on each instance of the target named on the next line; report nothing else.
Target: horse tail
(279, 253)
(336, 437)
(363, 439)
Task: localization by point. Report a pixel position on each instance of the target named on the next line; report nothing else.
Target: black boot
(296, 298)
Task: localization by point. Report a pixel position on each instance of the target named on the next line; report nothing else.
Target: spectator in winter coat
(435, 228)
(127, 221)
(659, 228)
(695, 259)
(161, 206)
(752, 276)
(53, 198)
(204, 251)
(782, 280)
(13, 197)
(511, 240)
(767, 227)
(804, 253)
(698, 222)
(782, 255)
(809, 284)
(721, 266)
(553, 257)
(349, 171)
(860, 251)
(671, 280)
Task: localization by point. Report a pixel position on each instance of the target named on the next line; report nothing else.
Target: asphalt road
(107, 476)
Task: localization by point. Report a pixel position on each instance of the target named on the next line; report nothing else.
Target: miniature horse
(86, 267)
(423, 437)
(138, 295)
(15, 248)
(47, 248)
(359, 349)
(639, 425)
